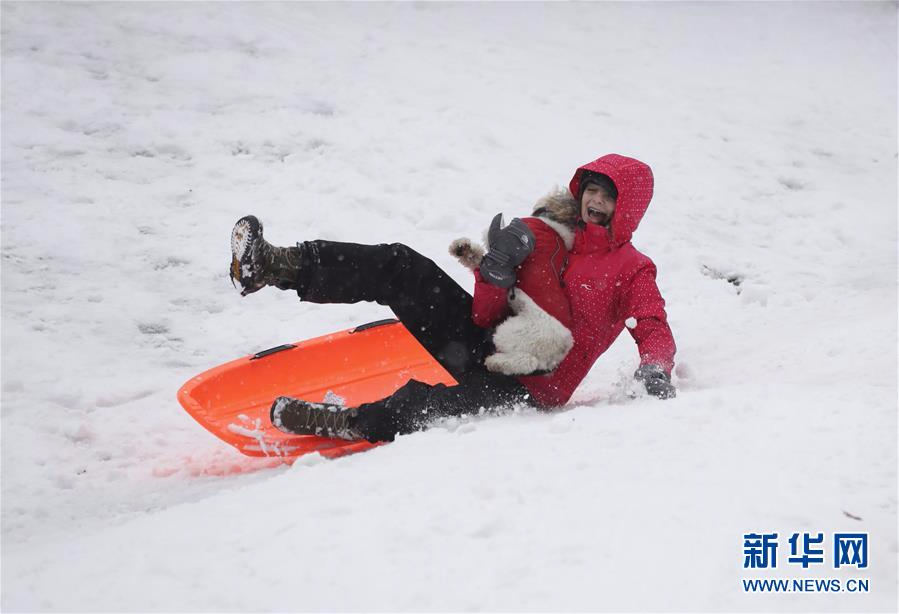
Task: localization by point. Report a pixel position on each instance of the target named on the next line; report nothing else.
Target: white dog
(537, 336)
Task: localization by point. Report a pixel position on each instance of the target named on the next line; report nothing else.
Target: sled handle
(363, 327)
(271, 351)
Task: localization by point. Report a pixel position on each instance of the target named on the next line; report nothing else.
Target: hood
(634, 182)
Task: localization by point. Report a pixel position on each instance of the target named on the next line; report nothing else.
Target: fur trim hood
(560, 206)
(561, 212)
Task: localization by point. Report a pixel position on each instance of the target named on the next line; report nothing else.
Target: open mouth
(597, 217)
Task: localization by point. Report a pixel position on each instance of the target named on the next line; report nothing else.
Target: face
(597, 207)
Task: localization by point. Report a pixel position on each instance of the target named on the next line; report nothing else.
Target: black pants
(433, 307)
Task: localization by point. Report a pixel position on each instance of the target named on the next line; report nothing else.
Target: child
(610, 286)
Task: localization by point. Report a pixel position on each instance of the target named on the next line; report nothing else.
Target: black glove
(509, 246)
(657, 382)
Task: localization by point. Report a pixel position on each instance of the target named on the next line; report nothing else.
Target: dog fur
(530, 340)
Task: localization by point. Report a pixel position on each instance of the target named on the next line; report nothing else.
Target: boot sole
(245, 232)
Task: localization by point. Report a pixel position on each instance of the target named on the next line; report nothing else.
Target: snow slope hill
(134, 135)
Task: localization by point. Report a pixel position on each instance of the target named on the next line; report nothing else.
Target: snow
(133, 138)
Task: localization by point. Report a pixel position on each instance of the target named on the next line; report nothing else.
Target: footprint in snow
(152, 328)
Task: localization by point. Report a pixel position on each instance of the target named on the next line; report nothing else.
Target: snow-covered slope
(134, 135)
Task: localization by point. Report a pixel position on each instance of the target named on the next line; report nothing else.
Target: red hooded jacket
(607, 281)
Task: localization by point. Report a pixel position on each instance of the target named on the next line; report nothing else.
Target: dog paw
(467, 253)
(512, 364)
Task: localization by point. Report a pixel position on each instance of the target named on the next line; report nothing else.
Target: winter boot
(255, 263)
(324, 420)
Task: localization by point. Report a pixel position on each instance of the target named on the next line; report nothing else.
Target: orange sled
(359, 365)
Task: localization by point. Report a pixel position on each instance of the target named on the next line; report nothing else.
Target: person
(610, 286)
